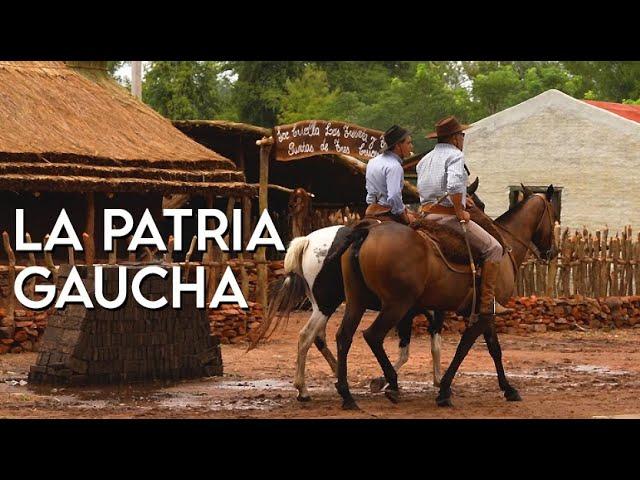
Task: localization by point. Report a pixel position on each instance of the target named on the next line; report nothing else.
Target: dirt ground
(570, 374)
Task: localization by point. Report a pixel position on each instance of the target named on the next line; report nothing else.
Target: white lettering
(109, 231)
(48, 290)
(274, 239)
(55, 239)
(228, 280)
(137, 294)
(21, 246)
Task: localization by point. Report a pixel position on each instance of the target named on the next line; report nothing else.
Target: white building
(553, 138)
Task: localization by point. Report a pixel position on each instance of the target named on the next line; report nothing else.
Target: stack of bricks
(232, 324)
(132, 343)
(29, 327)
(543, 314)
(275, 271)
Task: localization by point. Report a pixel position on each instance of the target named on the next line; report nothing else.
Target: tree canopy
(373, 94)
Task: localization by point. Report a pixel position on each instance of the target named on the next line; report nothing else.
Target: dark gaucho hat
(394, 135)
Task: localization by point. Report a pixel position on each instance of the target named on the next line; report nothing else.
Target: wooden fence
(589, 264)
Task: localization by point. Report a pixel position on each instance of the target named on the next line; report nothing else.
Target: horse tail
(286, 293)
(293, 257)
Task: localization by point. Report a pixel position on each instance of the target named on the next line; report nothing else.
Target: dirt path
(559, 375)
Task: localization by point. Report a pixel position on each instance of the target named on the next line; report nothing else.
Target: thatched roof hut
(335, 180)
(72, 138)
(68, 128)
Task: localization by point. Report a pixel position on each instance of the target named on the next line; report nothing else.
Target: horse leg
(404, 333)
(316, 322)
(321, 344)
(344, 336)
(375, 335)
(491, 338)
(435, 329)
(466, 342)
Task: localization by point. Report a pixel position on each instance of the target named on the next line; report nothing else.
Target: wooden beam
(265, 150)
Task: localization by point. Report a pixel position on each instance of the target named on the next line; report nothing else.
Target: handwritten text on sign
(316, 137)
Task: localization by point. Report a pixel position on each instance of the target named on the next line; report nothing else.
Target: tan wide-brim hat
(447, 126)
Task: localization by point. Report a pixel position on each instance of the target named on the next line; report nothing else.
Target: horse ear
(526, 190)
(550, 192)
(471, 189)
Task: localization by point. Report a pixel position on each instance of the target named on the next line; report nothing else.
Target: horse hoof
(512, 396)
(392, 395)
(303, 398)
(350, 405)
(444, 399)
(377, 384)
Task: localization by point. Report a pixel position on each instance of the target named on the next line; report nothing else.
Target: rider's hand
(464, 216)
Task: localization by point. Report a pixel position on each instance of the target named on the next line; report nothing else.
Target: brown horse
(392, 262)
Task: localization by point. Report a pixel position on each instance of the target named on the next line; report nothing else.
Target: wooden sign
(317, 137)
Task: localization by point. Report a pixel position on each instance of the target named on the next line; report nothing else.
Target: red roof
(631, 112)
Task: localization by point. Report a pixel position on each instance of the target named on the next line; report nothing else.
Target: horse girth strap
(428, 238)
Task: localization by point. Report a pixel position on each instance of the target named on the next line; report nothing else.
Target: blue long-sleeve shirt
(442, 170)
(385, 179)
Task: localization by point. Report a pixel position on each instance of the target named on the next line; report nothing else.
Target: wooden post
(582, 267)
(629, 265)
(31, 286)
(261, 257)
(606, 264)
(89, 249)
(168, 257)
(589, 266)
(597, 264)
(541, 276)
(48, 261)
(246, 230)
(212, 270)
(613, 275)
(530, 276)
(566, 262)
(520, 281)
(72, 258)
(553, 265)
(132, 255)
(187, 257)
(90, 230)
(231, 203)
(9, 322)
(113, 255)
(636, 267)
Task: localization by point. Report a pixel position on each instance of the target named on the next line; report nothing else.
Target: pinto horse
(392, 263)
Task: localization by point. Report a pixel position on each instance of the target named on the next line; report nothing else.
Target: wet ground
(570, 374)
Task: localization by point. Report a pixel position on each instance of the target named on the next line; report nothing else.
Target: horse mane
(513, 210)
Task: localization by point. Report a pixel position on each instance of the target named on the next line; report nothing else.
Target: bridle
(531, 247)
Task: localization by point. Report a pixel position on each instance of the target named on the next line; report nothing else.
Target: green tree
(186, 90)
(609, 81)
(308, 97)
(259, 88)
(497, 89)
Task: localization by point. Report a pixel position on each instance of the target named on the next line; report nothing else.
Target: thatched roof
(335, 179)
(64, 128)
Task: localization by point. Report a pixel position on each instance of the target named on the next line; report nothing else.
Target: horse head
(543, 236)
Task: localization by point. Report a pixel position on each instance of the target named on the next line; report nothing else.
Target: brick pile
(543, 314)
